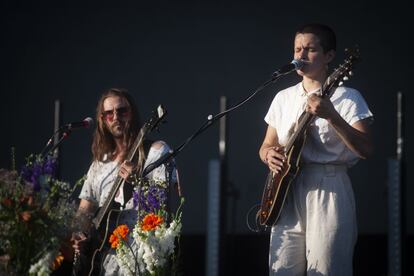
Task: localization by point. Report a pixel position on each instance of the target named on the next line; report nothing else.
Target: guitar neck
(138, 141)
(118, 182)
(304, 121)
(107, 204)
(147, 127)
(306, 118)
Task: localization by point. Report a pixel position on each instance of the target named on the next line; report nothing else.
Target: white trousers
(316, 232)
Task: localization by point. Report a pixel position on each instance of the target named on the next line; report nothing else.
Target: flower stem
(13, 158)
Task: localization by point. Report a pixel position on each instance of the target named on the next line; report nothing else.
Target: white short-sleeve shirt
(101, 177)
(323, 145)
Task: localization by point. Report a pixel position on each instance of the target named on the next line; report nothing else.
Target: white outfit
(98, 183)
(316, 231)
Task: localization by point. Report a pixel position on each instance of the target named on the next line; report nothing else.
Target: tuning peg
(340, 83)
(351, 73)
(345, 78)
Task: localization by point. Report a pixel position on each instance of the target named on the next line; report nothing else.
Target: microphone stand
(210, 121)
(65, 135)
(166, 158)
(67, 130)
(42, 153)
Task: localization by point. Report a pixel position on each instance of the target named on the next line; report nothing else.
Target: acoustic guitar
(277, 185)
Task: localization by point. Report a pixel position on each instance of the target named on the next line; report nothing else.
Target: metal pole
(56, 127)
(56, 138)
(217, 211)
(396, 199)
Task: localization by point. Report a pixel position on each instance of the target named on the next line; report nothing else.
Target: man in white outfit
(316, 231)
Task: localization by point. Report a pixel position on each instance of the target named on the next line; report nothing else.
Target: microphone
(86, 123)
(294, 65)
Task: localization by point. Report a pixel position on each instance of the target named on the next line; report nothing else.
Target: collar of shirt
(304, 93)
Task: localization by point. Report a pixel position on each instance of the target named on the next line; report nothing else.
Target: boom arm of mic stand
(210, 120)
(67, 130)
(64, 136)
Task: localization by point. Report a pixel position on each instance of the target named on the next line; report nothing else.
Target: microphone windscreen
(298, 63)
(88, 122)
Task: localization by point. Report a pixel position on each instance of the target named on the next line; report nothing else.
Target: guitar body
(102, 242)
(90, 260)
(277, 185)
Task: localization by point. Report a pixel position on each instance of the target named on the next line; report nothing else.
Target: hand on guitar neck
(126, 169)
(321, 107)
(274, 158)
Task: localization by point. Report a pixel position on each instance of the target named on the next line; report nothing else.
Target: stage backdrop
(185, 56)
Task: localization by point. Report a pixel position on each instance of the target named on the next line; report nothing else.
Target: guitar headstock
(343, 72)
(158, 116)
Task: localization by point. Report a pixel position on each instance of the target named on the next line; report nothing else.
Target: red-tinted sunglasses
(121, 112)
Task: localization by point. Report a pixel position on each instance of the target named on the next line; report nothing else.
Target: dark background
(186, 55)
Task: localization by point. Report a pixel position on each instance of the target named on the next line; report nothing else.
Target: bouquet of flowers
(151, 249)
(35, 215)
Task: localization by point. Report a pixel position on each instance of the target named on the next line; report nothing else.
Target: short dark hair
(325, 34)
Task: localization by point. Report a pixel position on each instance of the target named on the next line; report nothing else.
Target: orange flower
(7, 202)
(151, 221)
(27, 200)
(25, 215)
(58, 261)
(30, 200)
(119, 233)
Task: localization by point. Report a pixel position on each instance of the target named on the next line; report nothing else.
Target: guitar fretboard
(306, 118)
(118, 182)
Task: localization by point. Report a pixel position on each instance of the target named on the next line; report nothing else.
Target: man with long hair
(118, 125)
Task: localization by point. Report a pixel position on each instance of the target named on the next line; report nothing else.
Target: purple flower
(37, 167)
(25, 172)
(150, 198)
(50, 166)
(135, 196)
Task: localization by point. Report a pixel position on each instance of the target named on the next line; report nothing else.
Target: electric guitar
(277, 185)
(107, 216)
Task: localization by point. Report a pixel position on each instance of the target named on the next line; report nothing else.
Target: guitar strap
(128, 189)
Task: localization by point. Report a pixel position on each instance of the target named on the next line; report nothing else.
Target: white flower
(152, 248)
(43, 266)
(125, 259)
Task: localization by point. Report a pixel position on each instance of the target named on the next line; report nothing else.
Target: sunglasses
(121, 112)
